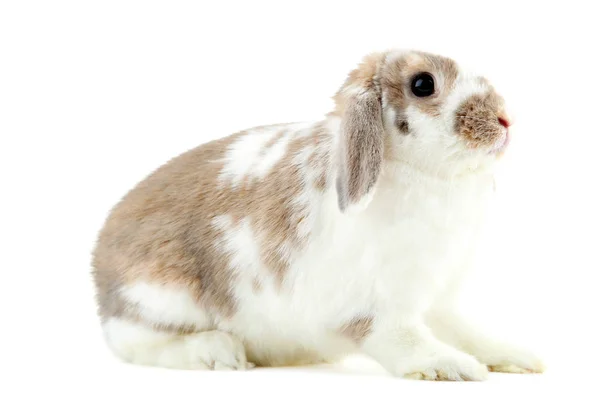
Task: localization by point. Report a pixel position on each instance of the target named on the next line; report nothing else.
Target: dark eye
(423, 85)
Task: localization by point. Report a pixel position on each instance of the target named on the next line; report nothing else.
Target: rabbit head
(417, 108)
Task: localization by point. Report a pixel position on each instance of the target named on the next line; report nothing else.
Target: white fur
(249, 157)
(466, 85)
(240, 242)
(362, 204)
(210, 349)
(242, 155)
(165, 305)
(272, 156)
(399, 258)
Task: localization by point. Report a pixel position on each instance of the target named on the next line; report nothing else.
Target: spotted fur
(302, 242)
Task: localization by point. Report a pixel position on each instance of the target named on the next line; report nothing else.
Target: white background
(95, 95)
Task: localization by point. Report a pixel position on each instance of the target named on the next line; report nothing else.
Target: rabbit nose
(504, 122)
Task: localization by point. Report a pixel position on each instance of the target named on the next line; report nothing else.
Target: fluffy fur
(300, 243)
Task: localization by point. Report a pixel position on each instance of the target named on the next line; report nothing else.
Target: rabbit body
(285, 245)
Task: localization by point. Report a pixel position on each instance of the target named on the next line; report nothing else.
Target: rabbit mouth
(501, 144)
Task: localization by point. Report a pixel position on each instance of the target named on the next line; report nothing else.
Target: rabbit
(302, 243)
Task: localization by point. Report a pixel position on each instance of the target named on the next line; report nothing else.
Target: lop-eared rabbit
(300, 243)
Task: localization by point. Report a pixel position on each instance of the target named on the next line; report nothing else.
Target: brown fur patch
(320, 159)
(402, 125)
(363, 77)
(256, 286)
(397, 74)
(477, 119)
(357, 329)
(162, 232)
(274, 215)
(272, 141)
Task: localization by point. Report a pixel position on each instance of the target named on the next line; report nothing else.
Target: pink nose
(504, 122)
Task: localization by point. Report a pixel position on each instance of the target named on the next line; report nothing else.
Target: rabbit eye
(423, 85)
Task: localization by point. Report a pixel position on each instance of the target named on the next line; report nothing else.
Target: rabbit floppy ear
(361, 141)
